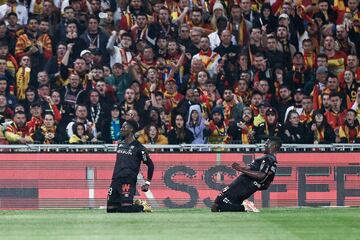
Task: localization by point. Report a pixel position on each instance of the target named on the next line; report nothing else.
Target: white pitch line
(149, 195)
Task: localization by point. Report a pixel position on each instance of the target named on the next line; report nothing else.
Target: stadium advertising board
(180, 179)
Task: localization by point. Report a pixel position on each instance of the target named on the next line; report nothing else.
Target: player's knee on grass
(112, 209)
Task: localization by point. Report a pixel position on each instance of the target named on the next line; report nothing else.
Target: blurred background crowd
(187, 71)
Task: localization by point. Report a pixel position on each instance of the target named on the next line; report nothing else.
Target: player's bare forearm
(246, 170)
(150, 166)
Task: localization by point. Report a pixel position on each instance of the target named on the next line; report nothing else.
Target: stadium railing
(180, 148)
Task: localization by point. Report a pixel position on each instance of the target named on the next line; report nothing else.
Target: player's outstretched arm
(150, 165)
(246, 170)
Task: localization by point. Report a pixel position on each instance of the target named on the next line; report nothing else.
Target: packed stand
(187, 71)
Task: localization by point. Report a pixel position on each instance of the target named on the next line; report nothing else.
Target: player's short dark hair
(133, 124)
(277, 142)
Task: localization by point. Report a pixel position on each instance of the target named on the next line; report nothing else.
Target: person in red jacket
(336, 116)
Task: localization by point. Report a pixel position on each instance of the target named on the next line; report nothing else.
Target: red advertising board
(54, 180)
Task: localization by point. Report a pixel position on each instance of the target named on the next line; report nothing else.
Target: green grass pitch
(173, 224)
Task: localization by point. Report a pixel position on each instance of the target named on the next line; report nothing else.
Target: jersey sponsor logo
(125, 187)
(226, 200)
(258, 185)
(225, 189)
(124, 151)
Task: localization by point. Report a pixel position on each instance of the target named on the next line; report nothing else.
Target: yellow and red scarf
(22, 82)
(242, 33)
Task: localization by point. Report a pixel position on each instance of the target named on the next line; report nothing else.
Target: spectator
(196, 124)
(248, 13)
(72, 94)
(239, 26)
(297, 106)
(133, 115)
(18, 131)
(336, 116)
(163, 27)
(356, 105)
(216, 130)
(336, 59)
(119, 80)
(319, 131)
(151, 135)
(81, 117)
(179, 134)
(172, 96)
(8, 92)
(349, 132)
(21, 11)
(270, 127)
(34, 45)
(352, 64)
(209, 58)
(140, 30)
(198, 23)
(36, 120)
(52, 66)
(343, 42)
(294, 131)
(24, 77)
(48, 132)
(285, 101)
(232, 107)
(5, 112)
(94, 37)
(350, 87)
(97, 111)
(215, 37)
(121, 53)
(153, 117)
(308, 110)
(260, 118)
(318, 86)
(106, 93)
(80, 134)
(111, 127)
(11, 64)
(243, 131)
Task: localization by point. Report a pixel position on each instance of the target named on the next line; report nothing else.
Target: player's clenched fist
(145, 187)
(235, 165)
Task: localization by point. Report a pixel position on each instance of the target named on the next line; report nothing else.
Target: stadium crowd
(187, 71)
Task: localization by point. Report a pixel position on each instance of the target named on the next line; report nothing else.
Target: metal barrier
(181, 148)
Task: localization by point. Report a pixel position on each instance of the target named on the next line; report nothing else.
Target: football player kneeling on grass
(257, 176)
(130, 154)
